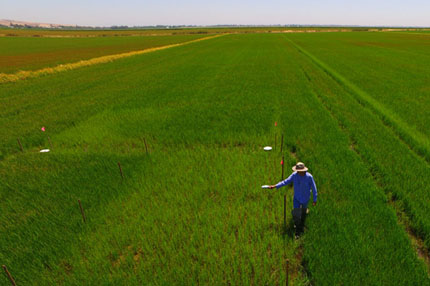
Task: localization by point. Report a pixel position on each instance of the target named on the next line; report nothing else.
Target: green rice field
(187, 126)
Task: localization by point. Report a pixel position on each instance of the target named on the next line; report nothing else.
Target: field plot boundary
(5, 78)
(404, 217)
(416, 141)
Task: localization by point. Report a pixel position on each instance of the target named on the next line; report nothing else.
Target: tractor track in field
(403, 133)
(21, 75)
(403, 218)
(417, 242)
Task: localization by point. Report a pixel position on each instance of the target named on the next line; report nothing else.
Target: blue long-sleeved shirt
(302, 186)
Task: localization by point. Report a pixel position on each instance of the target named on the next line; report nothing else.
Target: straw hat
(300, 167)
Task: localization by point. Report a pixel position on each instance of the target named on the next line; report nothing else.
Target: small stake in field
(146, 146)
(8, 275)
(282, 164)
(82, 211)
(287, 272)
(120, 170)
(285, 196)
(275, 142)
(50, 143)
(20, 145)
(282, 142)
(285, 212)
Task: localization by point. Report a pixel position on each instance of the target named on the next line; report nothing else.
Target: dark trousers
(299, 216)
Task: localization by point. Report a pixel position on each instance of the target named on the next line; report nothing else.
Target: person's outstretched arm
(314, 191)
(285, 182)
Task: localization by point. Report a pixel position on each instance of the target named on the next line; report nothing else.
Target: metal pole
(287, 272)
(8, 275)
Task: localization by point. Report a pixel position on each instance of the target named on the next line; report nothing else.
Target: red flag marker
(282, 162)
(276, 123)
(43, 128)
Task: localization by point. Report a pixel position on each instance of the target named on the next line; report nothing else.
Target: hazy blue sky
(169, 12)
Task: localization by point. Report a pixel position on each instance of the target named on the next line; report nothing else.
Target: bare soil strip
(4, 78)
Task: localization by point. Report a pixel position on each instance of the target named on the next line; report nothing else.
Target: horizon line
(214, 25)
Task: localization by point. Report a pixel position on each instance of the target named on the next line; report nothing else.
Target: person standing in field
(303, 184)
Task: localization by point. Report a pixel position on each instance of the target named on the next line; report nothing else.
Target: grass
(192, 210)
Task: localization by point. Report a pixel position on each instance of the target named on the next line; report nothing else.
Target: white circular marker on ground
(265, 187)
(44, 151)
(267, 148)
